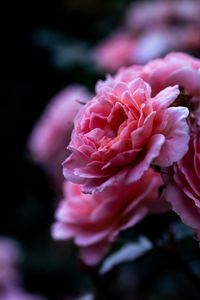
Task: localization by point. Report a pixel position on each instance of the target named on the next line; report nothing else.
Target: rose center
(184, 99)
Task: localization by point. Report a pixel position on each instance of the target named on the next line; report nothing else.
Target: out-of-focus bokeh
(48, 46)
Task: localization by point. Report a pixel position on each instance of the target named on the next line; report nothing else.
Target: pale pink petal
(166, 97)
(60, 231)
(176, 134)
(154, 148)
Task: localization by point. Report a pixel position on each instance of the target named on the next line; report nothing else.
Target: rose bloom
(51, 134)
(122, 131)
(114, 52)
(183, 189)
(94, 221)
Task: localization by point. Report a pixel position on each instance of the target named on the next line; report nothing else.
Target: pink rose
(51, 133)
(122, 131)
(114, 52)
(183, 189)
(94, 221)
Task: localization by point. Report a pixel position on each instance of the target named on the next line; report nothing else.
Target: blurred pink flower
(153, 44)
(147, 15)
(144, 16)
(151, 30)
(94, 221)
(10, 277)
(18, 294)
(122, 131)
(183, 189)
(51, 133)
(114, 52)
(10, 256)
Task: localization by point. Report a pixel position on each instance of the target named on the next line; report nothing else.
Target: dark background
(29, 79)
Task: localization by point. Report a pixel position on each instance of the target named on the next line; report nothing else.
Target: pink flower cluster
(151, 30)
(141, 120)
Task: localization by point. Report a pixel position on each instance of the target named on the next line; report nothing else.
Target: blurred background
(46, 47)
